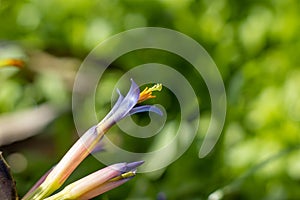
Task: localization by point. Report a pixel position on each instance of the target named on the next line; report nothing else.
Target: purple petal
(130, 99)
(126, 167)
(133, 165)
(128, 102)
(115, 107)
(122, 107)
(146, 108)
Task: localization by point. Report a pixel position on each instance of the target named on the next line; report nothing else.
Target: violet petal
(133, 165)
(145, 108)
(128, 102)
(115, 107)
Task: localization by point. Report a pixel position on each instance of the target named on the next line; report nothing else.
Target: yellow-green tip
(147, 92)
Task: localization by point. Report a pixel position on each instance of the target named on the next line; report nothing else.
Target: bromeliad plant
(104, 179)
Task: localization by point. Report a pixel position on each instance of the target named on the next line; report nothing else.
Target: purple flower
(127, 105)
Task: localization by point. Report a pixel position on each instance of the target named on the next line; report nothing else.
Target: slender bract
(98, 182)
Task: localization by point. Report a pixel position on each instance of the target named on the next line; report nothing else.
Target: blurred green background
(255, 45)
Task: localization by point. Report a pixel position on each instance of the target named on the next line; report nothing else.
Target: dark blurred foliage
(255, 45)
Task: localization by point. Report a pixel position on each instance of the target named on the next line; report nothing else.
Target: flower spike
(124, 106)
